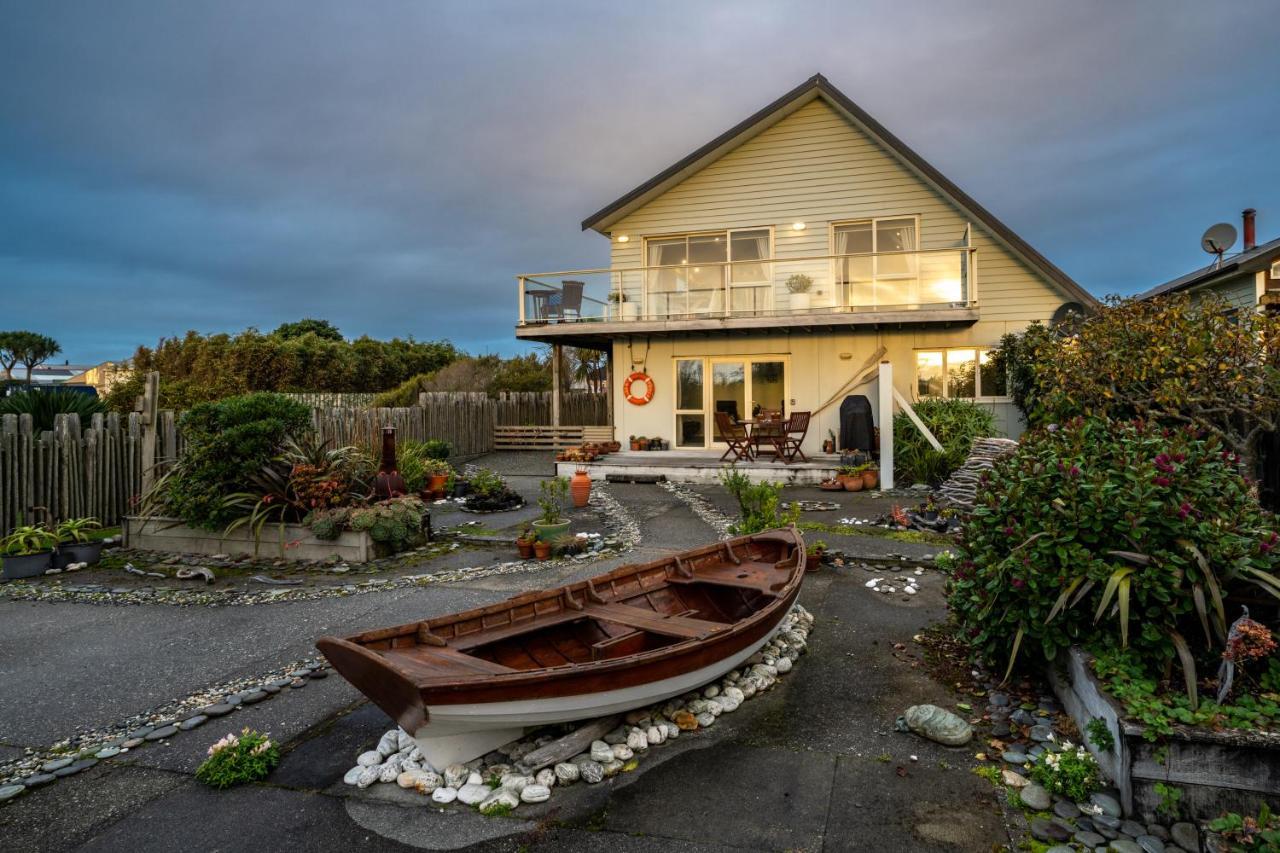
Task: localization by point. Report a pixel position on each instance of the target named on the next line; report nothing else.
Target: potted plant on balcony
(75, 542)
(28, 552)
(623, 309)
(799, 285)
(552, 522)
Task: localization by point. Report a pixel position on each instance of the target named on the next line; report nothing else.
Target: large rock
(937, 724)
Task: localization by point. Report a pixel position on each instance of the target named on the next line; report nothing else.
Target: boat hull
(459, 733)
(468, 682)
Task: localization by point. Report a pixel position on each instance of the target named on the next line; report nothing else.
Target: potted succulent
(829, 443)
(639, 442)
(815, 552)
(870, 475)
(552, 522)
(438, 472)
(28, 552)
(799, 285)
(75, 542)
(541, 549)
(525, 542)
(851, 477)
(835, 485)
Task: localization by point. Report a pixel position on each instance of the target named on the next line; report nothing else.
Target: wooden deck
(703, 466)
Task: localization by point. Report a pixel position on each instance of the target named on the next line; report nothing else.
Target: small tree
(10, 352)
(1177, 361)
(34, 349)
(322, 329)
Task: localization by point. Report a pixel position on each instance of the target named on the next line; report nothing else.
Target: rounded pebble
(444, 795)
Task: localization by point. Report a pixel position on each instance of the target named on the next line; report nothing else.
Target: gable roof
(1243, 262)
(818, 86)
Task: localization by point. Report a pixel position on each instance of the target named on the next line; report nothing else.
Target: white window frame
(708, 390)
(978, 351)
(726, 273)
(875, 265)
(1275, 271)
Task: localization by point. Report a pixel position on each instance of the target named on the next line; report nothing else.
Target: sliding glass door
(742, 388)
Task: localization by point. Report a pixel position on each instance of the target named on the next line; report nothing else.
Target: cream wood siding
(816, 373)
(814, 166)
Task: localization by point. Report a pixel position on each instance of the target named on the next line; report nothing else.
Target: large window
(964, 372)
(697, 268)
(884, 267)
(743, 388)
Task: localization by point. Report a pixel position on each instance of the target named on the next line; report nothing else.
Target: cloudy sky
(391, 166)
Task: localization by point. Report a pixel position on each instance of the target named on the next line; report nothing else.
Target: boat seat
(644, 619)
(435, 662)
(767, 580)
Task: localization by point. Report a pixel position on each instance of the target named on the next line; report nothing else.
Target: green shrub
(228, 443)
(393, 525)
(43, 406)
(235, 759)
(1117, 532)
(955, 423)
(759, 504)
(1247, 834)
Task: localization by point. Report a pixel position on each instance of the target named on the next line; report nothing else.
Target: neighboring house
(697, 296)
(50, 374)
(1246, 280)
(102, 376)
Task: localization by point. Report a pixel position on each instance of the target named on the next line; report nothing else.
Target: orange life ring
(648, 388)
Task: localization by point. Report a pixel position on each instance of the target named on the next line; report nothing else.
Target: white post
(886, 425)
(555, 387)
(522, 317)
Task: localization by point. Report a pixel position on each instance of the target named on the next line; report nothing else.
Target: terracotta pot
(853, 484)
(525, 547)
(542, 549)
(437, 482)
(580, 488)
(831, 486)
(635, 445)
(870, 479)
(828, 446)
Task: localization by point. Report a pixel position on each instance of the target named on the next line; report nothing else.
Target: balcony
(923, 286)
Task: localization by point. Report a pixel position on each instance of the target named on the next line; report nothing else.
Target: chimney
(1250, 229)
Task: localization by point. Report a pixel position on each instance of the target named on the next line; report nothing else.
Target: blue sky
(391, 166)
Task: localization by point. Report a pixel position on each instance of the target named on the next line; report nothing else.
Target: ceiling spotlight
(797, 226)
(623, 238)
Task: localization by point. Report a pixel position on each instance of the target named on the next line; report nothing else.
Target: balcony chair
(735, 435)
(566, 303)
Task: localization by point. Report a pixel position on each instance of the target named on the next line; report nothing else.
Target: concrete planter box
(1216, 771)
(169, 534)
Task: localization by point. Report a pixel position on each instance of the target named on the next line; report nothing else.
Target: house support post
(886, 425)
(608, 388)
(556, 354)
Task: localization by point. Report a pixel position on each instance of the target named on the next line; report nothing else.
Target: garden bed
(1215, 771)
(171, 535)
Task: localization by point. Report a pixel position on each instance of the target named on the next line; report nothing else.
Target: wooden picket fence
(333, 399)
(70, 472)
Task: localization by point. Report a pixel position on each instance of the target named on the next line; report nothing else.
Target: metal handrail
(792, 259)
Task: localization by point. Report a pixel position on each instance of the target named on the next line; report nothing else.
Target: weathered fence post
(150, 404)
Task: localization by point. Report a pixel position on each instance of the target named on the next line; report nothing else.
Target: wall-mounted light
(797, 226)
(623, 238)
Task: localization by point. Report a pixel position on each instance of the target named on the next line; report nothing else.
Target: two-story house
(770, 267)
(1249, 279)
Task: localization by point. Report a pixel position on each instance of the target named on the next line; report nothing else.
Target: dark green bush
(1103, 532)
(955, 423)
(43, 406)
(759, 504)
(228, 444)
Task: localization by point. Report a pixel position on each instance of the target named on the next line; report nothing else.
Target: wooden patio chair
(735, 435)
(797, 426)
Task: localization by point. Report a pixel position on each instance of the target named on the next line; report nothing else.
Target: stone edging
(624, 529)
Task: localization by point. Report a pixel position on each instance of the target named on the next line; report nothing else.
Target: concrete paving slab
(740, 796)
(248, 818)
(64, 815)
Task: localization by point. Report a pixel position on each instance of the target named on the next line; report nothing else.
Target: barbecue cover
(857, 427)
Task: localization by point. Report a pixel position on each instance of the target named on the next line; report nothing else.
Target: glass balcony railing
(821, 284)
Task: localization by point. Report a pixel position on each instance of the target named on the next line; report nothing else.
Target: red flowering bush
(1122, 532)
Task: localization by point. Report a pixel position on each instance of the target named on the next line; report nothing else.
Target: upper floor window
(883, 266)
(1275, 270)
(965, 373)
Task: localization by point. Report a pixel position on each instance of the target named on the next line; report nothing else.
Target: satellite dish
(1218, 239)
(1067, 318)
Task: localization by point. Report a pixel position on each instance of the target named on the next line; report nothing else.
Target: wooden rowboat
(468, 682)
